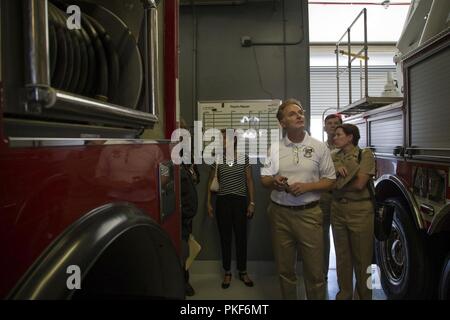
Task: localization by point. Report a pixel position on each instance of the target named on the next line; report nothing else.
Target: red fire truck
(411, 141)
(88, 207)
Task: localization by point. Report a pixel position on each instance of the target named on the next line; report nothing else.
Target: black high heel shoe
(247, 282)
(226, 284)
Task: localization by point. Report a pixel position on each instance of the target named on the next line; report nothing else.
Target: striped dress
(232, 178)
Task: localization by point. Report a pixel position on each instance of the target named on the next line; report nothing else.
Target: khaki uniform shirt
(326, 195)
(350, 161)
(331, 147)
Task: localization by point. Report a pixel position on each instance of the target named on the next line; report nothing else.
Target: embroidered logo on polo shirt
(307, 152)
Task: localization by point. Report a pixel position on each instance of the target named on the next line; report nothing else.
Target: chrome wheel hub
(394, 255)
(397, 252)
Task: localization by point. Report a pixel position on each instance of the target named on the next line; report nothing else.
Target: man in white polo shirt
(297, 172)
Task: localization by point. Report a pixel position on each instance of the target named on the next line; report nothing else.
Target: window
(324, 85)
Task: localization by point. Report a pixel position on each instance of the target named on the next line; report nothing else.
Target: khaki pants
(325, 205)
(298, 231)
(352, 224)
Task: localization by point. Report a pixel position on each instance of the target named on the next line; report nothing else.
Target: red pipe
(170, 65)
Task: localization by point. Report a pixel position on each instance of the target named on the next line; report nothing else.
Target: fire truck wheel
(405, 268)
(444, 283)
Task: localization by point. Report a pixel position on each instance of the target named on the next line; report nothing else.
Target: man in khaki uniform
(330, 125)
(298, 169)
(352, 216)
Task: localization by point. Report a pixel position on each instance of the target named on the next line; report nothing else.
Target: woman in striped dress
(234, 205)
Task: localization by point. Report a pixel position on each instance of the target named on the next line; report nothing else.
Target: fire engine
(88, 206)
(410, 137)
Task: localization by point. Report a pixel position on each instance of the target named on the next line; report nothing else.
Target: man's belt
(347, 200)
(300, 207)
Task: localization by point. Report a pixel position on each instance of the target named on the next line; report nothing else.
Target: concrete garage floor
(206, 278)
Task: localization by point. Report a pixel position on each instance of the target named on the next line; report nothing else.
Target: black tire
(406, 270)
(444, 283)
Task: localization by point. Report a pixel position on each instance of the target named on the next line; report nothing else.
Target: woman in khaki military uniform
(352, 213)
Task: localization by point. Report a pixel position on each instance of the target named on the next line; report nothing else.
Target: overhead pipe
(384, 3)
(214, 2)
